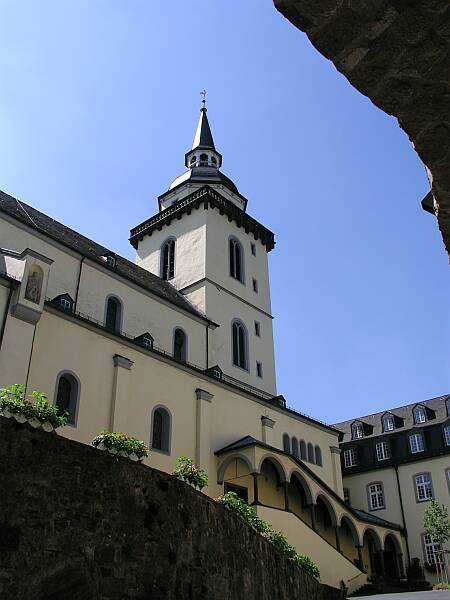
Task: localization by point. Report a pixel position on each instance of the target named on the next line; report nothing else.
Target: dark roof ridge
(83, 245)
(390, 410)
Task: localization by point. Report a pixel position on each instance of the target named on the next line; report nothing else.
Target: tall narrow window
(295, 447)
(239, 343)
(318, 453)
(347, 499)
(310, 453)
(236, 256)
(447, 435)
(424, 489)
(388, 423)
(286, 443)
(113, 314)
(67, 396)
(179, 345)
(168, 260)
(350, 458)
(383, 451)
(416, 443)
(259, 369)
(376, 496)
(420, 415)
(357, 431)
(430, 547)
(160, 435)
(303, 449)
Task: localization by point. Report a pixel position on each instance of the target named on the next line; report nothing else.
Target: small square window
(255, 285)
(65, 304)
(257, 328)
(147, 341)
(259, 369)
(253, 247)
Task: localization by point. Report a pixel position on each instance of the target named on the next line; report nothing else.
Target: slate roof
(436, 413)
(371, 518)
(247, 440)
(203, 137)
(86, 247)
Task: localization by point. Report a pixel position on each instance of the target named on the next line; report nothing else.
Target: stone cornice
(205, 197)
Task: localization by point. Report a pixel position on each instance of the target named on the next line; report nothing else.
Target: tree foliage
(437, 523)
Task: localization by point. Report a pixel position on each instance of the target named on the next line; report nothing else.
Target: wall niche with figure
(35, 280)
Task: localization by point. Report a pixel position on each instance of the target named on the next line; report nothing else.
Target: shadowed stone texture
(397, 53)
(80, 524)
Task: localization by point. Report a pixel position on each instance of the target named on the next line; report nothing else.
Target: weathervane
(203, 93)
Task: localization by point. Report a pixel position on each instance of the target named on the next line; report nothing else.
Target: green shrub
(248, 514)
(187, 471)
(12, 398)
(121, 443)
(441, 586)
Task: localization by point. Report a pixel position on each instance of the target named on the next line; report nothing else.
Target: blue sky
(99, 102)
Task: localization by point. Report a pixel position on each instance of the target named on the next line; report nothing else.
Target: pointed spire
(203, 136)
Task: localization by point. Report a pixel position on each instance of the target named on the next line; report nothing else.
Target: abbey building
(177, 349)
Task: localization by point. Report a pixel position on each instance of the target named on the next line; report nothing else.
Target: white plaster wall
(4, 294)
(141, 312)
(64, 270)
(190, 235)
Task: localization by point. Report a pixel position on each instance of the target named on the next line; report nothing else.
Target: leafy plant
(248, 514)
(441, 586)
(436, 522)
(121, 442)
(186, 470)
(12, 398)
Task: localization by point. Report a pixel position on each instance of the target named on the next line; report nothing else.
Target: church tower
(204, 242)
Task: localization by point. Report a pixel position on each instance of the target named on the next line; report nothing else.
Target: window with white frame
(447, 435)
(420, 415)
(376, 496)
(424, 489)
(350, 458)
(388, 423)
(416, 443)
(383, 450)
(357, 431)
(430, 547)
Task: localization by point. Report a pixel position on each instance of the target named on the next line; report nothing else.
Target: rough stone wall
(80, 524)
(396, 52)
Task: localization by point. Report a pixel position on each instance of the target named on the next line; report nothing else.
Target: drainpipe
(78, 282)
(403, 514)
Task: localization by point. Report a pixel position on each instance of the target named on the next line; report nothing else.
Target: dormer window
(147, 341)
(110, 260)
(65, 303)
(388, 422)
(420, 416)
(357, 431)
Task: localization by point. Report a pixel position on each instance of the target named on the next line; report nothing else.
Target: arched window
(295, 447)
(179, 345)
(286, 443)
(203, 159)
(168, 260)
(310, 453)
(193, 160)
(239, 343)
(302, 449)
(67, 394)
(318, 453)
(160, 429)
(113, 314)
(213, 160)
(236, 260)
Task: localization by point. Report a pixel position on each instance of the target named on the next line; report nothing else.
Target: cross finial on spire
(203, 93)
